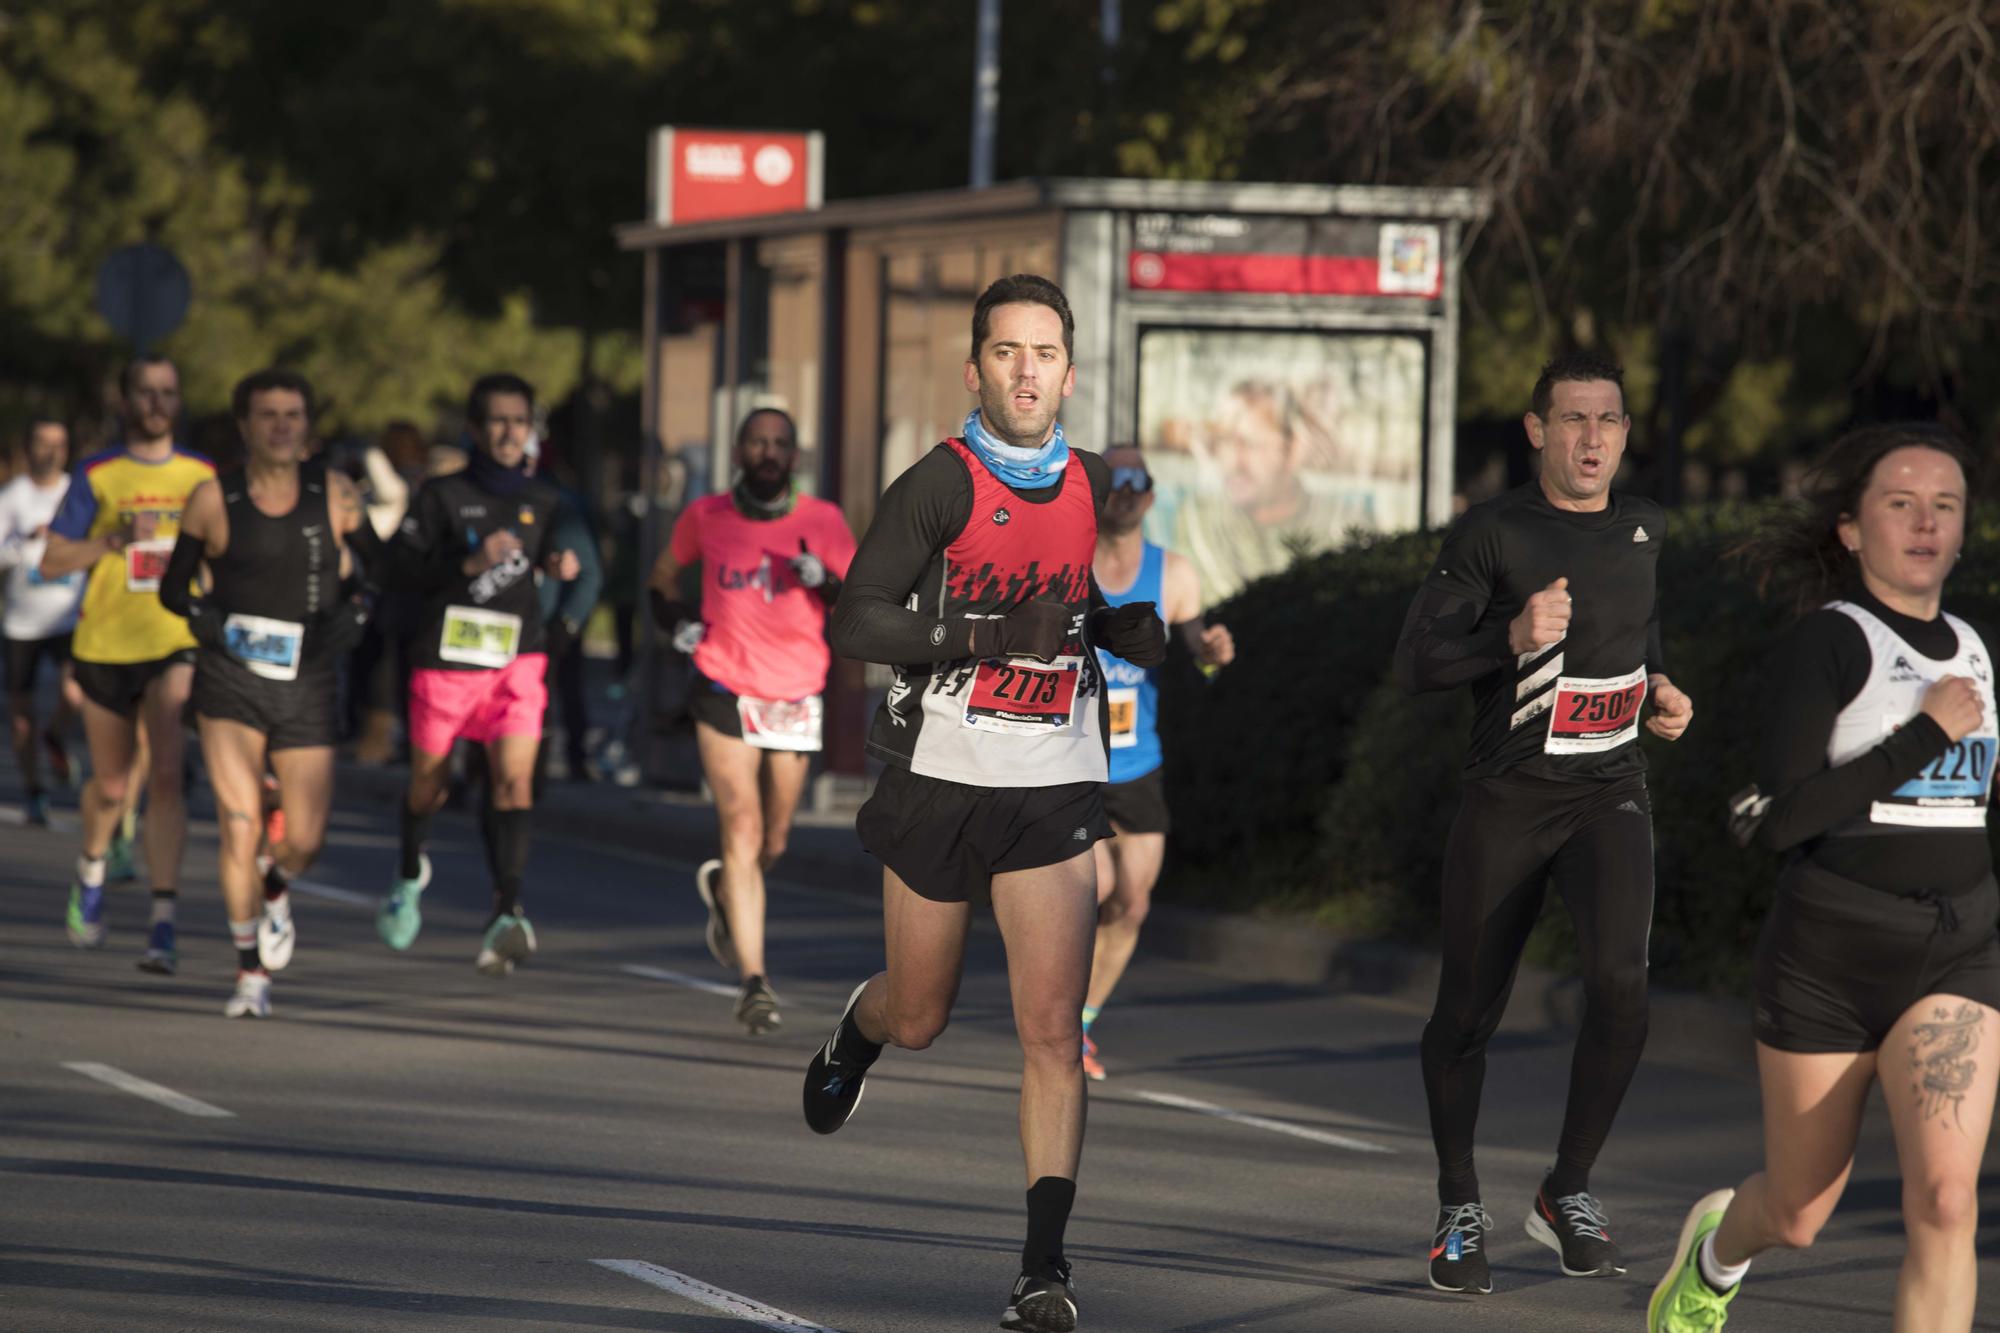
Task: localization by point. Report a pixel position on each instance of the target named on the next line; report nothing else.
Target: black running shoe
(757, 1007)
(1458, 1249)
(1047, 1305)
(1575, 1227)
(834, 1080)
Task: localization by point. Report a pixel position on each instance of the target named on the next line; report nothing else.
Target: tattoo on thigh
(237, 817)
(1941, 1054)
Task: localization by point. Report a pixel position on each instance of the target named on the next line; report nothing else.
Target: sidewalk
(1694, 1030)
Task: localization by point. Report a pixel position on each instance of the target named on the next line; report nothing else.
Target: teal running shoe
(398, 919)
(509, 940)
(119, 867)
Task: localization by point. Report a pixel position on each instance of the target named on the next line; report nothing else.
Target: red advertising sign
(703, 175)
(1193, 252)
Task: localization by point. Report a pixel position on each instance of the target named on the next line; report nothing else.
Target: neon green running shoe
(398, 918)
(1683, 1303)
(118, 864)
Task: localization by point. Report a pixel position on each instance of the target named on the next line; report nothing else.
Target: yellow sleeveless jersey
(122, 619)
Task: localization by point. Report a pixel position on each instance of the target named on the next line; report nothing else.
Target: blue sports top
(1133, 693)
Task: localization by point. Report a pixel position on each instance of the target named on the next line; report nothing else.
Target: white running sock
(90, 873)
(163, 908)
(243, 934)
(1720, 1277)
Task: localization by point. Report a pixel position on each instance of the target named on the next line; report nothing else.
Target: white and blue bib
(1952, 791)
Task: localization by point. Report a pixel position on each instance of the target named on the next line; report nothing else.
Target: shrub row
(1304, 781)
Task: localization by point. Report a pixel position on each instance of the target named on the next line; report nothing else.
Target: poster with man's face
(1267, 445)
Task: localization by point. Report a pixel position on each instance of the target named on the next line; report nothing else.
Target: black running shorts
(1838, 963)
(119, 686)
(1138, 806)
(713, 705)
(25, 658)
(292, 714)
(948, 840)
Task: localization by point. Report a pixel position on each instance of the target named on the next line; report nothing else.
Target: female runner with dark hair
(1879, 959)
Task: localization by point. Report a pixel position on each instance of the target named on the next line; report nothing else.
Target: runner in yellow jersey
(134, 658)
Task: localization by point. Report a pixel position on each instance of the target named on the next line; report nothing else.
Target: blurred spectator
(566, 608)
(378, 673)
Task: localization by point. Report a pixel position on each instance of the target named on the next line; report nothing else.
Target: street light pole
(985, 93)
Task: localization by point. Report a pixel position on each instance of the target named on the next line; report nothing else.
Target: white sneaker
(275, 936)
(252, 998)
(720, 946)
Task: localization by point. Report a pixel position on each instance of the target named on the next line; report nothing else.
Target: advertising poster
(1267, 445)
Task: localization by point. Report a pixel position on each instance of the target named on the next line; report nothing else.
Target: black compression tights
(1594, 843)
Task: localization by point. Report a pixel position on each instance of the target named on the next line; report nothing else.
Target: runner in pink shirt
(771, 562)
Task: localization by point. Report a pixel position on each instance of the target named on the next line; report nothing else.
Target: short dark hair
(1022, 288)
(1575, 368)
(35, 423)
(486, 386)
(743, 426)
(266, 381)
(131, 370)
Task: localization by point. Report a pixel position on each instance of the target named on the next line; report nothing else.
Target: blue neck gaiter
(1023, 469)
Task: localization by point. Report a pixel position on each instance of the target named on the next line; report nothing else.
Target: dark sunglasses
(1134, 479)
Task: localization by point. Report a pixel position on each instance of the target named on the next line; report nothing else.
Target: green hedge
(1303, 780)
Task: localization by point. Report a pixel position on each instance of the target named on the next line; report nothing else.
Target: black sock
(508, 852)
(248, 960)
(850, 1047)
(1457, 1183)
(1049, 1201)
(1566, 1178)
(416, 832)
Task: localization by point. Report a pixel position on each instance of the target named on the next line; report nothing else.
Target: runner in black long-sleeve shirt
(1879, 958)
(974, 582)
(1542, 601)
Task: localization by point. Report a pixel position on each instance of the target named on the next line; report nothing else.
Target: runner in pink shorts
(473, 545)
(771, 563)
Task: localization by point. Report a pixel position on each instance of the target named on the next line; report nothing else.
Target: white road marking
(679, 979)
(1327, 1137)
(332, 893)
(715, 1298)
(151, 1091)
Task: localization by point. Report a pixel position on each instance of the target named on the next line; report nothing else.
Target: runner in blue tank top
(1131, 569)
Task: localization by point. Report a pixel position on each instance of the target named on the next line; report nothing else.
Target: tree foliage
(1773, 209)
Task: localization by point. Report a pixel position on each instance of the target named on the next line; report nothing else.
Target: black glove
(1032, 629)
(205, 622)
(1133, 631)
(667, 612)
(559, 637)
(339, 631)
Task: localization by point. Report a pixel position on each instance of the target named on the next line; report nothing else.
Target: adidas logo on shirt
(1639, 534)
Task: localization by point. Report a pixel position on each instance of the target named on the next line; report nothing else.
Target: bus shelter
(1285, 354)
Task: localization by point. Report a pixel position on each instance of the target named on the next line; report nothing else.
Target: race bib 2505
(1591, 715)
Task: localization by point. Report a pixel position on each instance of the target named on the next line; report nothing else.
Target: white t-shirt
(37, 608)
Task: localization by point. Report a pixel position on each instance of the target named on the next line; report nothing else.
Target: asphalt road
(410, 1145)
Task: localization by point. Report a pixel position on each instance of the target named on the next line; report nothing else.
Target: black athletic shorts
(25, 658)
(1838, 963)
(292, 714)
(1138, 806)
(119, 686)
(948, 840)
(711, 703)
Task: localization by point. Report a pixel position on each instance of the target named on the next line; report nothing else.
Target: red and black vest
(1005, 722)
